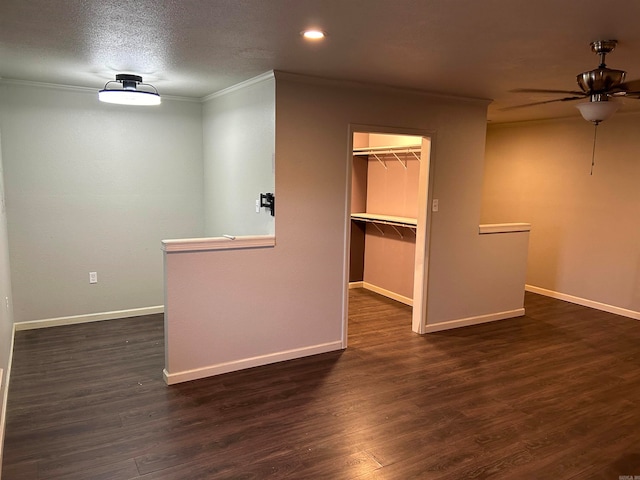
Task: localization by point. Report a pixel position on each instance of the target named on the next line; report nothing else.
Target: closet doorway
(390, 201)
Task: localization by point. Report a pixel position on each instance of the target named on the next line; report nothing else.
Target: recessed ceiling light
(313, 34)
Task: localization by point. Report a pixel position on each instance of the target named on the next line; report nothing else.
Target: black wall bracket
(268, 200)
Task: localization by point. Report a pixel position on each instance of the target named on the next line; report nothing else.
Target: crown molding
(297, 77)
(272, 74)
(56, 86)
(79, 89)
(239, 86)
(562, 118)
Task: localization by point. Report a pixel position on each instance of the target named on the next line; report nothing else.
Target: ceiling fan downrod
(602, 47)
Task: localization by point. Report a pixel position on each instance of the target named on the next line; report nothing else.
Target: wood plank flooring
(552, 395)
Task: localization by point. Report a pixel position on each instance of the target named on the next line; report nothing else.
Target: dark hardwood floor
(552, 395)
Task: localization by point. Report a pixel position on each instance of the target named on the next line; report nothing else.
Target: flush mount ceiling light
(313, 34)
(124, 91)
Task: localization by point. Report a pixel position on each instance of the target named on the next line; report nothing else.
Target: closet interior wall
(383, 256)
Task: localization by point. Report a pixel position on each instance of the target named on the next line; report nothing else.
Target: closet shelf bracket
(397, 231)
(404, 164)
(377, 227)
(384, 164)
(405, 151)
(396, 223)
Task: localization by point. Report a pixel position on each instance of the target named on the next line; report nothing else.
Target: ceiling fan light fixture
(124, 91)
(597, 111)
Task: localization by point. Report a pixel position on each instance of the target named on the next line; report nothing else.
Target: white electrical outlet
(435, 205)
(6, 301)
(258, 206)
(93, 277)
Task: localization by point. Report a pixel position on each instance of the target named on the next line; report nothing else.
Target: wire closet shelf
(381, 153)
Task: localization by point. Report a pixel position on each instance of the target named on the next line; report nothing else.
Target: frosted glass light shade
(129, 97)
(597, 112)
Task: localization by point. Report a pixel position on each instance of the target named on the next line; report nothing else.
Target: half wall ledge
(503, 228)
(227, 242)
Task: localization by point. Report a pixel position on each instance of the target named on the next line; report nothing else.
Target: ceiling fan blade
(630, 86)
(635, 95)
(539, 90)
(566, 99)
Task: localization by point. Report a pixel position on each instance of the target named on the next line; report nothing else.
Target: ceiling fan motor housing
(600, 80)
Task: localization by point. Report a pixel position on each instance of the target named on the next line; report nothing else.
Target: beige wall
(238, 149)
(95, 187)
(585, 237)
(393, 190)
(228, 307)
(391, 140)
(389, 260)
(389, 256)
(6, 307)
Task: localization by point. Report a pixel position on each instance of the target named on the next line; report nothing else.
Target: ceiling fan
(598, 85)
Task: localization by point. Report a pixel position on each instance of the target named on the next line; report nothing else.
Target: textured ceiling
(196, 47)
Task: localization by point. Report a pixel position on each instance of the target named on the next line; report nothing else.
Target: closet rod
(393, 225)
(384, 222)
(395, 151)
(407, 149)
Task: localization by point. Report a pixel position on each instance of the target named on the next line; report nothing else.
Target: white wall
(95, 187)
(239, 144)
(229, 308)
(585, 240)
(6, 307)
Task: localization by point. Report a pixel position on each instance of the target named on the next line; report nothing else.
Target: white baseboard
(91, 317)
(387, 293)
(584, 302)
(356, 285)
(465, 322)
(209, 371)
(5, 396)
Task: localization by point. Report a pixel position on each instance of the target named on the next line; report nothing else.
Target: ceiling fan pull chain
(593, 152)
